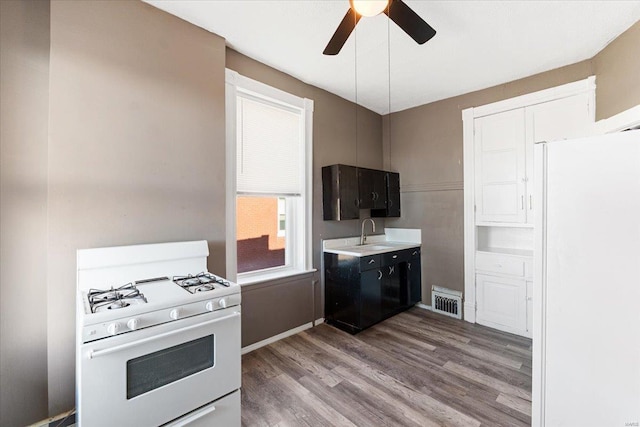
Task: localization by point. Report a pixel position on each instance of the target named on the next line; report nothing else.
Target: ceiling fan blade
(342, 33)
(409, 21)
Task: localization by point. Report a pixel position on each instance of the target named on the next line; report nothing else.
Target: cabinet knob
(372, 261)
(379, 274)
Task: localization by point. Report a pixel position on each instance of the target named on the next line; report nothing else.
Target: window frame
(282, 231)
(299, 220)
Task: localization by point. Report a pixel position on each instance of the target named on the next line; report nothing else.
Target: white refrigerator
(586, 341)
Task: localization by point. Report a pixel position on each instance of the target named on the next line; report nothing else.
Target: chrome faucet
(363, 237)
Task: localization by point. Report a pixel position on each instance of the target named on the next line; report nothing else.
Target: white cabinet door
(564, 118)
(529, 308)
(499, 145)
(559, 119)
(502, 303)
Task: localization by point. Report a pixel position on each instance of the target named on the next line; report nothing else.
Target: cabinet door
(393, 194)
(415, 279)
(392, 190)
(372, 189)
(529, 308)
(370, 289)
(502, 303)
(391, 290)
(340, 192)
(559, 119)
(499, 144)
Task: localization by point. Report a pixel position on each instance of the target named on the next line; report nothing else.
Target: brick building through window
(260, 233)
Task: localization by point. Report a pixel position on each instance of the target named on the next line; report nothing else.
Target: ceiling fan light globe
(369, 7)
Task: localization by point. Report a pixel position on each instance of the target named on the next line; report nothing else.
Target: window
(269, 176)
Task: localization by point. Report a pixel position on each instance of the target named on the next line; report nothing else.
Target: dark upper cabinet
(372, 188)
(347, 189)
(340, 192)
(392, 193)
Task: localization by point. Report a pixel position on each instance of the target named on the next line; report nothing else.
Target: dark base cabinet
(362, 291)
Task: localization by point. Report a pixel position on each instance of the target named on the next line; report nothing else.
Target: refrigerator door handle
(530, 202)
(522, 202)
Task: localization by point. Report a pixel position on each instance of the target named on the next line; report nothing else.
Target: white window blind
(269, 139)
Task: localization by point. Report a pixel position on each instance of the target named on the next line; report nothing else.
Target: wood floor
(414, 369)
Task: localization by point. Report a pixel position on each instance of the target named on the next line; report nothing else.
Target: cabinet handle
(415, 253)
(530, 202)
(357, 202)
(392, 269)
(390, 203)
(379, 274)
(371, 261)
(395, 256)
(522, 202)
(409, 266)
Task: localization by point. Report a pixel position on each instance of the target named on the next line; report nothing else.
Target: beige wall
(617, 69)
(136, 136)
(425, 146)
(334, 141)
(24, 94)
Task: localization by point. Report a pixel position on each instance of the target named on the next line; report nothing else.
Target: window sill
(267, 277)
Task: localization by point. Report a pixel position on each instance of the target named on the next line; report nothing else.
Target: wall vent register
(446, 301)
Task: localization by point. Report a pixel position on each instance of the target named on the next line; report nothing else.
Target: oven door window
(154, 370)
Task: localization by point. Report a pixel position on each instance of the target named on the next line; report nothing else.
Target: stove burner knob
(209, 306)
(113, 328)
(222, 303)
(133, 324)
(175, 314)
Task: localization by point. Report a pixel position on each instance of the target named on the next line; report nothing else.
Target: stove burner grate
(201, 282)
(114, 298)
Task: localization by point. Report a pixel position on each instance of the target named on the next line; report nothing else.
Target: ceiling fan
(396, 10)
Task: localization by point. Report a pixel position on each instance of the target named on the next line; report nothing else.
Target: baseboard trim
(424, 306)
(275, 338)
(319, 321)
(470, 312)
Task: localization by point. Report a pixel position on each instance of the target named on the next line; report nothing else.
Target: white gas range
(158, 338)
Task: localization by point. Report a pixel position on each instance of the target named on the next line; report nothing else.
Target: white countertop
(394, 239)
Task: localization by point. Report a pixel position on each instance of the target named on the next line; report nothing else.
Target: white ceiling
(478, 44)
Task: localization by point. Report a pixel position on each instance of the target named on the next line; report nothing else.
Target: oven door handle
(92, 354)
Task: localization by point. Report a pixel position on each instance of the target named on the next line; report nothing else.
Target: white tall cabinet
(499, 196)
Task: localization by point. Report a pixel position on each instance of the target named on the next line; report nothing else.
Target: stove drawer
(222, 412)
